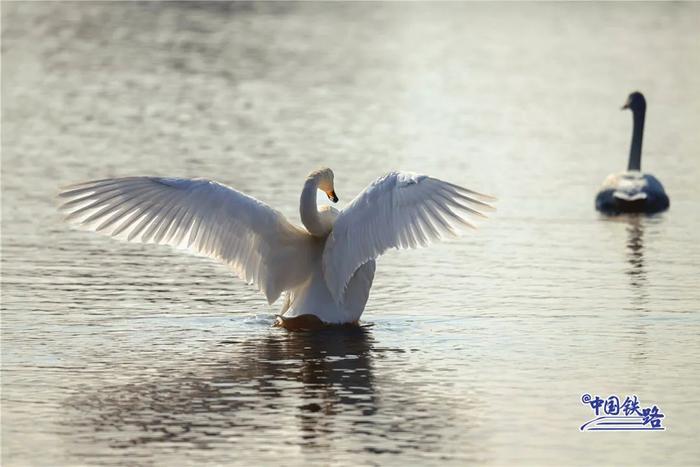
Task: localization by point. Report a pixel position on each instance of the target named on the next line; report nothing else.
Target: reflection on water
(634, 225)
(320, 385)
(635, 251)
(329, 373)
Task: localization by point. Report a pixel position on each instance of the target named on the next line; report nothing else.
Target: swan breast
(327, 216)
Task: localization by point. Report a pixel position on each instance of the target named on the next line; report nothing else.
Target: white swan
(326, 271)
(633, 191)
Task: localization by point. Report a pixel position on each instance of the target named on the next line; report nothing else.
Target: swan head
(635, 102)
(324, 180)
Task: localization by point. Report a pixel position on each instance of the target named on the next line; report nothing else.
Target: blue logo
(611, 415)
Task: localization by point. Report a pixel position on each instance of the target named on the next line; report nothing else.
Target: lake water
(474, 351)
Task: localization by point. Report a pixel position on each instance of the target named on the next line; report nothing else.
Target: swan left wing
(398, 210)
(206, 217)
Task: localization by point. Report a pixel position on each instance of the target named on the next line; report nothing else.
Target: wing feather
(399, 210)
(208, 218)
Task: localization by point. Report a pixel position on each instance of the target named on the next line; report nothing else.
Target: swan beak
(626, 106)
(331, 196)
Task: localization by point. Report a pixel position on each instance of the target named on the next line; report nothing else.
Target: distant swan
(325, 271)
(633, 191)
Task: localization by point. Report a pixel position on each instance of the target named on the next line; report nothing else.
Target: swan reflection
(311, 387)
(635, 251)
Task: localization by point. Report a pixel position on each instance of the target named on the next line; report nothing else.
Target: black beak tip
(334, 199)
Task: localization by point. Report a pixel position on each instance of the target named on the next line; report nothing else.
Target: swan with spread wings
(324, 271)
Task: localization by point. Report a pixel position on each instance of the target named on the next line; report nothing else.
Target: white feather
(209, 218)
(399, 210)
(326, 271)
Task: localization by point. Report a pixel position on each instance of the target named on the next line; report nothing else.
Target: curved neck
(309, 209)
(635, 162)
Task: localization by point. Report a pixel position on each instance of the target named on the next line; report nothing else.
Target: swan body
(325, 271)
(633, 191)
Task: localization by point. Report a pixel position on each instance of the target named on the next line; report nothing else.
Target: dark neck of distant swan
(635, 162)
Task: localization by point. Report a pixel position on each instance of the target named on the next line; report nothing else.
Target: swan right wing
(206, 217)
(399, 210)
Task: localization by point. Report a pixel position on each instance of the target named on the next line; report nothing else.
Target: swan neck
(309, 209)
(635, 162)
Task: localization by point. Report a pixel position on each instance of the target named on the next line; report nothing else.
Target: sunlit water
(473, 351)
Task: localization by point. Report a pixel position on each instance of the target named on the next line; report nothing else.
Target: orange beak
(331, 196)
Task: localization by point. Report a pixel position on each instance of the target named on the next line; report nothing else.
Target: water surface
(475, 351)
